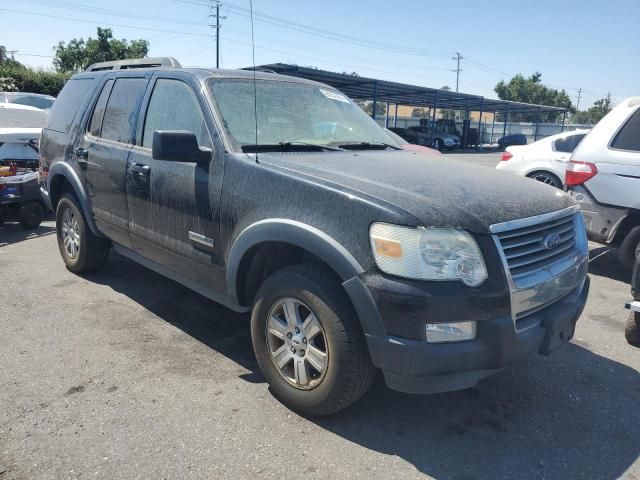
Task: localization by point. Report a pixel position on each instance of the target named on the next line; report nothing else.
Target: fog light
(451, 332)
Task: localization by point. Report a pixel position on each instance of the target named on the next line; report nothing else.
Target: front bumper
(600, 221)
(415, 366)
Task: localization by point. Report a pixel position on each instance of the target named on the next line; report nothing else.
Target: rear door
(175, 217)
(104, 149)
(618, 179)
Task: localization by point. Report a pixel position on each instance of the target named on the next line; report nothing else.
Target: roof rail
(134, 63)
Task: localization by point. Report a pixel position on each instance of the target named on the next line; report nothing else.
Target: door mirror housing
(178, 146)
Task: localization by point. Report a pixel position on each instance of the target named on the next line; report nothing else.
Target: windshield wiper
(368, 146)
(294, 146)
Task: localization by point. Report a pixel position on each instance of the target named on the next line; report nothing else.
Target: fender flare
(295, 233)
(67, 171)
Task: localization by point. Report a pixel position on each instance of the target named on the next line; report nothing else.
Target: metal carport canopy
(363, 88)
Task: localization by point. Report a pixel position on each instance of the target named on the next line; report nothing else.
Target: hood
(448, 136)
(437, 190)
(19, 135)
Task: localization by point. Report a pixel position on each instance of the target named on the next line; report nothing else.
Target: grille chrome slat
(524, 249)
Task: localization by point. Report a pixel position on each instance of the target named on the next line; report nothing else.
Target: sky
(589, 45)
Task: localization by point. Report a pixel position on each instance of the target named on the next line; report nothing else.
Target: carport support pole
(535, 135)
(564, 117)
(479, 137)
(375, 100)
(435, 109)
(386, 116)
(493, 124)
(506, 119)
(395, 116)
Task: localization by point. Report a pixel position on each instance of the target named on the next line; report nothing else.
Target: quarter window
(68, 104)
(628, 138)
(122, 109)
(174, 106)
(568, 144)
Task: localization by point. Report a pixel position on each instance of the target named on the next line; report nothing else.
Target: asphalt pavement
(125, 374)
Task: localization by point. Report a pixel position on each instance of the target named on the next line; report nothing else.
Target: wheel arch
(289, 238)
(63, 179)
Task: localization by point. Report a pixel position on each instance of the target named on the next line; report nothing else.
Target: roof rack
(134, 63)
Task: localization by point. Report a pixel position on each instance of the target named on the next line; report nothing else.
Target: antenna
(255, 88)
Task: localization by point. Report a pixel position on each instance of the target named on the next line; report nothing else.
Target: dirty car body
(255, 205)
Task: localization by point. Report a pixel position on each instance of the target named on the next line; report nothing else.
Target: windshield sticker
(334, 95)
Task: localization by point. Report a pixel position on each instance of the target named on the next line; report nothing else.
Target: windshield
(289, 112)
(19, 118)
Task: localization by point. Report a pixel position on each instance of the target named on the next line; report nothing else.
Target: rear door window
(628, 138)
(122, 109)
(95, 125)
(68, 104)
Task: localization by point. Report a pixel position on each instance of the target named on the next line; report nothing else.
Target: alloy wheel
(70, 233)
(297, 343)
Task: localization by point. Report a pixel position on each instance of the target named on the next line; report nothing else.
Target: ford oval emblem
(551, 241)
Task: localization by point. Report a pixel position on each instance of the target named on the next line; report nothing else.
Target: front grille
(534, 247)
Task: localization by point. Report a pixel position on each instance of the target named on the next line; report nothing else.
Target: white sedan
(544, 160)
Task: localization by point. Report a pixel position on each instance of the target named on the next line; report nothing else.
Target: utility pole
(578, 102)
(12, 52)
(458, 57)
(218, 4)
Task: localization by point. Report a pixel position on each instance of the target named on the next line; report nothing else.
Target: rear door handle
(81, 153)
(141, 169)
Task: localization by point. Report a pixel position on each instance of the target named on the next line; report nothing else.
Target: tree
(6, 60)
(420, 112)
(381, 108)
(595, 113)
(76, 55)
(531, 90)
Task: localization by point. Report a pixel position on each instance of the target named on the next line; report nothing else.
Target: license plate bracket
(558, 332)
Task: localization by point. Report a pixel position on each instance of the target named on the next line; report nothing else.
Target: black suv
(281, 197)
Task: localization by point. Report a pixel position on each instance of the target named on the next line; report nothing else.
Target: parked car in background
(509, 140)
(429, 137)
(632, 329)
(406, 134)
(37, 100)
(545, 160)
(352, 254)
(20, 128)
(603, 176)
(411, 146)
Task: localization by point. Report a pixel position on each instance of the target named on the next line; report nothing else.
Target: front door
(174, 206)
(103, 152)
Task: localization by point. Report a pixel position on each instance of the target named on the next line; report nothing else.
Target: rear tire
(81, 250)
(629, 249)
(547, 178)
(632, 329)
(31, 215)
(346, 370)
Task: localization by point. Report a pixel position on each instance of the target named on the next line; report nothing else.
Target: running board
(176, 277)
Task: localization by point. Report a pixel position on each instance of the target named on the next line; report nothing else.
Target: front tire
(81, 250)
(308, 341)
(629, 249)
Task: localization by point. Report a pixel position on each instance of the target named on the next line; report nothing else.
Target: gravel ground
(125, 374)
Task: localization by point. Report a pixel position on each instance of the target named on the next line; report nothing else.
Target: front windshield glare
(292, 112)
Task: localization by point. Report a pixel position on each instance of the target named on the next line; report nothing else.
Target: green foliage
(594, 114)
(381, 108)
(76, 55)
(531, 90)
(419, 112)
(24, 79)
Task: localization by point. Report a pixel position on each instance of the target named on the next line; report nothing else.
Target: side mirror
(178, 146)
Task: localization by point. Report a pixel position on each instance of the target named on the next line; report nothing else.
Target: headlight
(428, 253)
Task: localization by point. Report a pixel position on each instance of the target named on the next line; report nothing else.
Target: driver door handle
(81, 153)
(141, 169)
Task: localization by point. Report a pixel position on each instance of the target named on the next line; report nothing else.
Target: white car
(20, 128)
(545, 160)
(603, 176)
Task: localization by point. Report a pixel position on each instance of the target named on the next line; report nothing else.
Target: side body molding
(295, 233)
(64, 169)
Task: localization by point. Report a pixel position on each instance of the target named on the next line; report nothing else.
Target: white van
(603, 176)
